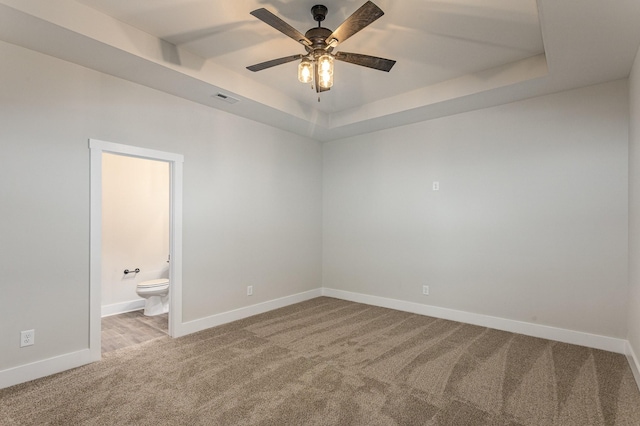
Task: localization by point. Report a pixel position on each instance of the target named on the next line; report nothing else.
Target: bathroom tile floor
(131, 328)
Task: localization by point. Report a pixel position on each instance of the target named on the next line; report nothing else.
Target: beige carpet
(332, 362)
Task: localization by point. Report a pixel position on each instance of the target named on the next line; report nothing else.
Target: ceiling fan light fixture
(325, 71)
(305, 71)
(326, 80)
(325, 63)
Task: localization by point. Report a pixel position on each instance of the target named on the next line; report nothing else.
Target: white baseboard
(552, 333)
(634, 363)
(35, 370)
(237, 314)
(122, 307)
(38, 369)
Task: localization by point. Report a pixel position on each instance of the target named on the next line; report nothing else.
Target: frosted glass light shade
(325, 71)
(305, 71)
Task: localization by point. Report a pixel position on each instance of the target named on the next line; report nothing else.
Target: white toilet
(156, 293)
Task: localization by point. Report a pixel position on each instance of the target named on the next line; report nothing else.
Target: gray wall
(530, 222)
(634, 207)
(252, 199)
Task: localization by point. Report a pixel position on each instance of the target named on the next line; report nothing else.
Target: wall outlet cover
(27, 338)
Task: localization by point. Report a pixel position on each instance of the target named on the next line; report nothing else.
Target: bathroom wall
(135, 227)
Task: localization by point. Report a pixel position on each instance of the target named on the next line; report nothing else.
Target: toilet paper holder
(135, 271)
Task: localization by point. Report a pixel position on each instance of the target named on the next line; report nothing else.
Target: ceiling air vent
(226, 98)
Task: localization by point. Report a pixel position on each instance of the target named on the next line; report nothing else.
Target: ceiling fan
(319, 42)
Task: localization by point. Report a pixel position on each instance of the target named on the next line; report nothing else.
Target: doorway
(135, 249)
(175, 161)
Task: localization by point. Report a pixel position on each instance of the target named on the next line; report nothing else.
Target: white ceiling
(432, 41)
(452, 55)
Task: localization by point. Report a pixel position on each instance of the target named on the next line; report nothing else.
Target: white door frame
(95, 246)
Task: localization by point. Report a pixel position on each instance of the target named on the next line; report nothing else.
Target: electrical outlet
(27, 338)
(436, 186)
(425, 290)
(250, 290)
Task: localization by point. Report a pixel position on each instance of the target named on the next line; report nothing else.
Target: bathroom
(135, 250)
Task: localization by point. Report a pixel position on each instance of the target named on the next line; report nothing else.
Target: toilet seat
(154, 283)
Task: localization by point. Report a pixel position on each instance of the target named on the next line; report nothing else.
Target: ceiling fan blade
(362, 17)
(269, 18)
(366, 61)
(273, 63)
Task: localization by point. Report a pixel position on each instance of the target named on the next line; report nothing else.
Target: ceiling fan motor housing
(319, 12)
(318, 37)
